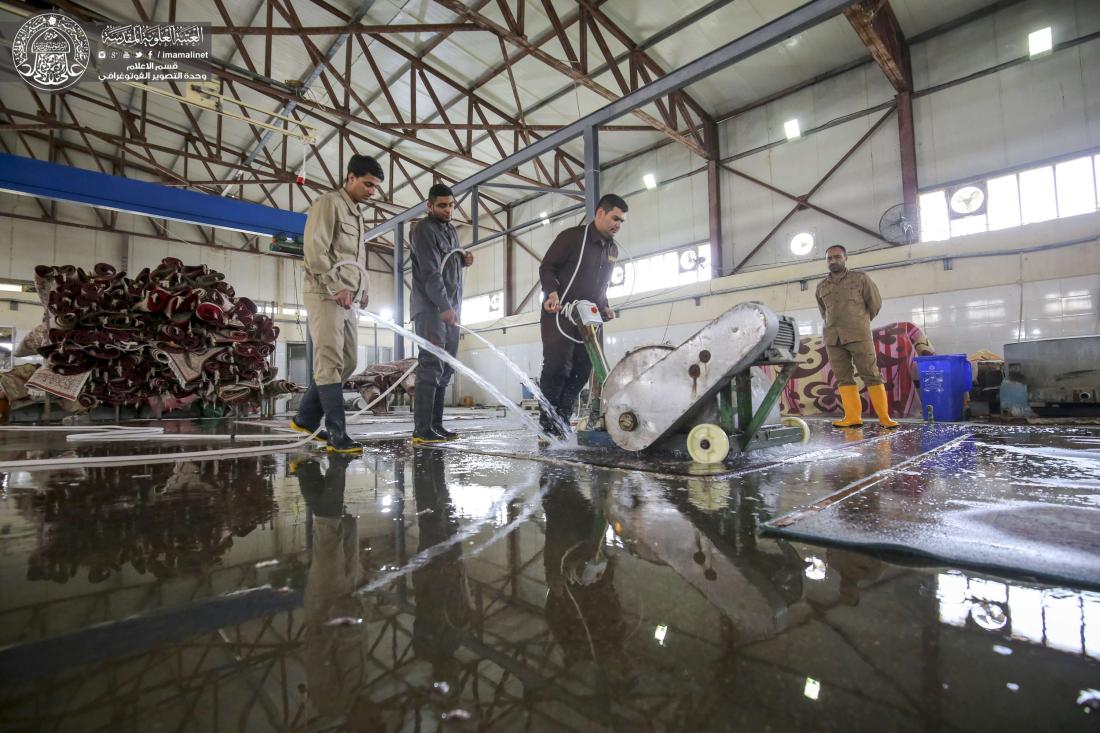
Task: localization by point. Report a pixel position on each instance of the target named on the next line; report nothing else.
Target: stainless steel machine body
(698, 396)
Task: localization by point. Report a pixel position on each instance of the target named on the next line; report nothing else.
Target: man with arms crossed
(848, 300)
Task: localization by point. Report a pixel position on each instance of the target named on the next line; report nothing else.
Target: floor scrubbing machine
(694, 400)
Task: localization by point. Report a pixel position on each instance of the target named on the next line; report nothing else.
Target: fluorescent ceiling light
(791, 128)
(11, 288)
(1040, 41)
(649, 180)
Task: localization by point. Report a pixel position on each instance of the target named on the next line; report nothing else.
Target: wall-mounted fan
(896, 227)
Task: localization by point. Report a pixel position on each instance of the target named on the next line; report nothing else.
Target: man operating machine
(577, 267)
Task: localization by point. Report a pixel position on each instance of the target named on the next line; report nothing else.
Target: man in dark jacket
(577, 266)
(435, 303)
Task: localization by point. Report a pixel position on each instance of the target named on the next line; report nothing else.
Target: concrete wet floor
(1015, 502)
(491, 585)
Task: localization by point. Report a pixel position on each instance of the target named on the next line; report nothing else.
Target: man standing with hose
(437, 263)
(577, 266)
(334, 232)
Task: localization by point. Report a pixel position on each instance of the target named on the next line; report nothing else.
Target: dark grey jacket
(435, 287)
(593, 274)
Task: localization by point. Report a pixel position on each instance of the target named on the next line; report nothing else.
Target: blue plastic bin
(945, 380)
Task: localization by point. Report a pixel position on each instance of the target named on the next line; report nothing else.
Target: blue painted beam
(92, 188)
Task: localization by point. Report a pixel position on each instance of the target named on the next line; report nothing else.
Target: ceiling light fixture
(1040, 42)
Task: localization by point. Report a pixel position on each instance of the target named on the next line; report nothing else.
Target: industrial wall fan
(896, 227)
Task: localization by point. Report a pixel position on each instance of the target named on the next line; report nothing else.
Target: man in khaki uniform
(848, 301)
(334, 233)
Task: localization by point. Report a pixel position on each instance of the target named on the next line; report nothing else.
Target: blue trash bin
(945, 380)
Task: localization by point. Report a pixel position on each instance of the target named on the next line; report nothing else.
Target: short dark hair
(611, 201)
(439, 190)
(836, 246)
(362, 165)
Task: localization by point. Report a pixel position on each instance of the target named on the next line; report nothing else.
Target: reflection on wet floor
(491, 586)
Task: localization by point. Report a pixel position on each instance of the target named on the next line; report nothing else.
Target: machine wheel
(708, 443)
(797, 422)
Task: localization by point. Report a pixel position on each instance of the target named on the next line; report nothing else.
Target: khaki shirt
(334, 232)
(848, 302)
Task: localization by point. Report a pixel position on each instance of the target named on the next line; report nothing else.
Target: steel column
(877, 26)
(591, 171)
(908, 141)
(474, 201)
(509, 268)
(399, 289)
(714, 199)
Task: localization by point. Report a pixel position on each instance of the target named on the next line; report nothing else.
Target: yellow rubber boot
(877, 393)
(853, 408)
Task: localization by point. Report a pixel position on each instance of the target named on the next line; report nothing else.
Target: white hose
(132, 433)
(362, 286)
(425, 344)
(115, 433)
(561, 297)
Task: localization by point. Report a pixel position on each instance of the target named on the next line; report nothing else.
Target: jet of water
(463, 369)
(529, 383)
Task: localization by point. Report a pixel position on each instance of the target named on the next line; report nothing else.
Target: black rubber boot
(332, 400)
(437, 416)
(309, 415)
(423, 408)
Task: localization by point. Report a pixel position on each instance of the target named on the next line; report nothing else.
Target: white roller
(708, 443)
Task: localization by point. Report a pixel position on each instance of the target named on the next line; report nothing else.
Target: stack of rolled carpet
(377, 378)
(176, 331)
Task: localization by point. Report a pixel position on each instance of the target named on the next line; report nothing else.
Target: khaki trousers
(862, 354)
(335, 334)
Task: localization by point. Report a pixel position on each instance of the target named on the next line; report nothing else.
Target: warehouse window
(1068, 188)
(665, 270)
(486, 307)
